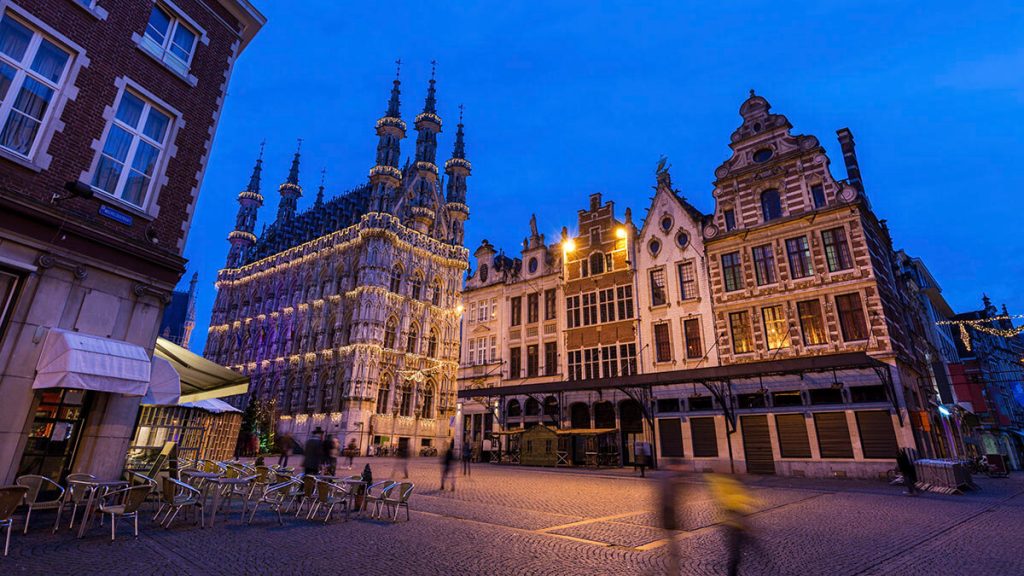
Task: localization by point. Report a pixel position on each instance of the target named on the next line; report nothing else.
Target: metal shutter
(793, 442)
(757, 445)
(670, 434)
(705, 437)
(833, 435)
(877, 437)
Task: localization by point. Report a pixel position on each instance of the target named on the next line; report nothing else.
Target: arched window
(396, 279)
(432, 344)
(383, 394)
(405, 400)
(579, 415)
(427, 409)
(771, 206)
(515, 409)
(435, 295)
(532, 407)
(597, 263)
(416, 287)
(391, 333)
(551, 406)
(413, 340)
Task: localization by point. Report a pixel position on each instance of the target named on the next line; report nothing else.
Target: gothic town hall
(348, 313)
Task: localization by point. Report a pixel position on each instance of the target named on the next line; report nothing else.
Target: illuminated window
(742, 340)
(811, 324)
(776, 330)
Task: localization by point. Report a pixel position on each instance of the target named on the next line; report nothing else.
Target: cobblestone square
(503, 520)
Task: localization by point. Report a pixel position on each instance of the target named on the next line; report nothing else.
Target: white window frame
(155, 181)
(22, 69)
(151, 209)
(162, 51)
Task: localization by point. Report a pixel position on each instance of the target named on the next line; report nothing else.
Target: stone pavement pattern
(504, 520)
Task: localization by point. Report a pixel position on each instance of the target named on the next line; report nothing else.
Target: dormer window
(595, 236)
(771, 205)
(666, 223)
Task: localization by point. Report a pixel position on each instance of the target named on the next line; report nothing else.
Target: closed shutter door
(705, 437)
(877, 437)
(670, 433)
(793, 442)
(757, 445)
(833, 435)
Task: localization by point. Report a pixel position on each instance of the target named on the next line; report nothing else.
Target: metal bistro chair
(308, 495)
(375, 493)
(76, 494)
(36, 485)
(10, 498)
(125, 503)
(177, 495)
(329, 495)
(397, 497)
(276, 496)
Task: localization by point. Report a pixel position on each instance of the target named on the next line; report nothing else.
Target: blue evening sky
(564, 99)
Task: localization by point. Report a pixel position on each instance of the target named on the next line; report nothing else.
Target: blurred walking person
(284, 447)
(446, 466)
(331, 451)
(467, 457)
(313, 453)
(735, 503)
(671, 489)
(905, 463)
(350, 452)
(401, 461)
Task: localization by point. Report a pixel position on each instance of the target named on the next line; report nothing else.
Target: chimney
(850, 158)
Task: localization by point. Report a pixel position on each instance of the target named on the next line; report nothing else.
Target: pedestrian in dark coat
(467, 457)
(314, 453)
(446, 466)
(905, 463)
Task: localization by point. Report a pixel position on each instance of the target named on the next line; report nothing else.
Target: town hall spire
(290, 189)
(458, 169)
(385, 177)
(249, 201)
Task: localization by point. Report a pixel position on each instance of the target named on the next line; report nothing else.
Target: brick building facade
(108, 111)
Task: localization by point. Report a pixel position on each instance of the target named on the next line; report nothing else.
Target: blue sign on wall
(115, 215)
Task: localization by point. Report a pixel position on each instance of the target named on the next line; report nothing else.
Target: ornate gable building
(347, 313)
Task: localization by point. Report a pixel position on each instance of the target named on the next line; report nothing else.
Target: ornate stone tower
(249, 201)
(422, 210)
(290, 189)
(458, 169)
(385, 177)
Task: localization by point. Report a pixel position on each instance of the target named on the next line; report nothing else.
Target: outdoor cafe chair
(38, 486)
(397, 497)
(76, 495)
(275, 496)
(308, 495)
(124, 503)
(177, 495)
(375, 493)
(330, 495)
(10, 498)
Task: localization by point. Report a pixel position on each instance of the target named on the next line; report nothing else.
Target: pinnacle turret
(385, 177)
(458, 169)
(290, 189)
(249, 202)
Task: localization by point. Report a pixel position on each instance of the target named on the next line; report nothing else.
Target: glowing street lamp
(569, 245)
(620, 232)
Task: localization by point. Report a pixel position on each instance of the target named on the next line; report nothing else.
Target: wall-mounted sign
(115, 215)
